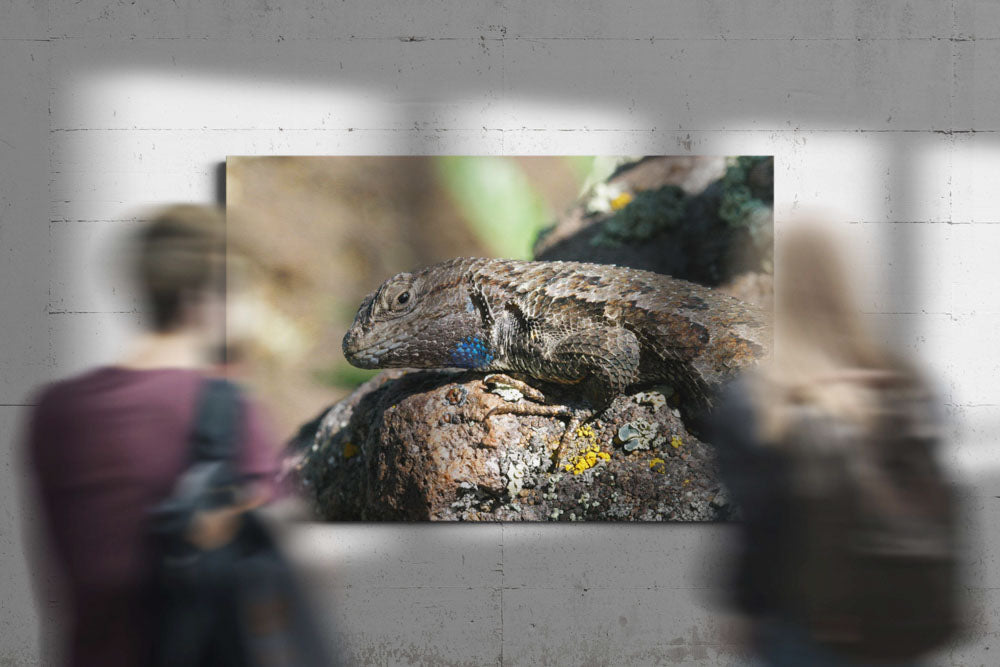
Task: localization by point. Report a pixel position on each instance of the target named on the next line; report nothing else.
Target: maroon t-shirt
(106, 447)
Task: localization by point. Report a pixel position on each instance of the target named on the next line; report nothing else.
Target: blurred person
(108, 446)
(847, 549)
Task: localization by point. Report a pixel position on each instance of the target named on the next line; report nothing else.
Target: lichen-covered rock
(417, 446)
(702, 219)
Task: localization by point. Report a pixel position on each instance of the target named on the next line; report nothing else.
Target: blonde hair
(824, 354)
(179, 255)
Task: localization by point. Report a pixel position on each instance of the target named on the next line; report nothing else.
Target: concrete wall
(887, 112)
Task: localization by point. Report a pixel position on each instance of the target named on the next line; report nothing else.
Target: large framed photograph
(500, 338)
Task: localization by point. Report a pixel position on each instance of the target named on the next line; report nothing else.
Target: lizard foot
(559, 411)
(533, 409)
(502, 380)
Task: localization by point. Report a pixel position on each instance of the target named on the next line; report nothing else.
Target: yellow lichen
(676, 441)
(350, 450)
(621, 201)
(588, 458)
(658, 465)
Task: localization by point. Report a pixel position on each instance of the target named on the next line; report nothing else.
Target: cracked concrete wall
(887, 113)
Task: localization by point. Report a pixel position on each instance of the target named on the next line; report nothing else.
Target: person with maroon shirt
(107, 446)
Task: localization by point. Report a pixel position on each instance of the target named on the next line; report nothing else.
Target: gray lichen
(638, 434)
(507, 392)
(524, 467)
(654, 399)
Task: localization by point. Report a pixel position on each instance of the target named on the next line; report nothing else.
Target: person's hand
(211, 529)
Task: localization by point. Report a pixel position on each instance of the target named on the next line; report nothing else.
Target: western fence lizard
(603, 328)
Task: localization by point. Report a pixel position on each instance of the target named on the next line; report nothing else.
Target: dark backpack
(874, 571)
(236, 605)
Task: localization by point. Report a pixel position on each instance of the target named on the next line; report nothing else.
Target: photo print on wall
(500, 338)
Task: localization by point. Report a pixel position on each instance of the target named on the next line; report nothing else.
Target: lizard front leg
(609, 360)
(602, 362)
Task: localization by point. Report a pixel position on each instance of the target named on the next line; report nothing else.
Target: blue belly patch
(471, 352)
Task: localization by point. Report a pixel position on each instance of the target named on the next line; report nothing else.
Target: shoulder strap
(216, 423)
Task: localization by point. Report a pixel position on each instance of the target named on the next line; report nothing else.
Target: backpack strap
(216, 424)
(210, 479)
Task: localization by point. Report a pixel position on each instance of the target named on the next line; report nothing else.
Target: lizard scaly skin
(603, 328)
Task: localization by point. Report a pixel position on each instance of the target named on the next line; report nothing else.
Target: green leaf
(498, 201)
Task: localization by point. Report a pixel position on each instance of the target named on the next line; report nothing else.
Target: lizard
(602, 328)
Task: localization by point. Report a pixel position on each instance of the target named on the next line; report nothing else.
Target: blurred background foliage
(314, 235)
(497, 201)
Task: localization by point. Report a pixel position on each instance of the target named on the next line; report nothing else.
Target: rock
(415, 445)
(412, 445)
(696, 218)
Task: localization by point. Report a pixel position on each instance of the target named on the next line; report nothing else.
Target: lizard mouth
(370, 356)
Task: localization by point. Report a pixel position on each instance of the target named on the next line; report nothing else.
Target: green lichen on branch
(648, 213)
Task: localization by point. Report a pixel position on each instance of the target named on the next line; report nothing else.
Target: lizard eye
(395, 297)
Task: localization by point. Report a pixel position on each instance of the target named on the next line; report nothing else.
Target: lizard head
(419, 320)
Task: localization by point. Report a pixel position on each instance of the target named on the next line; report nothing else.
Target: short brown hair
(180, 253)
